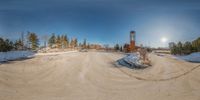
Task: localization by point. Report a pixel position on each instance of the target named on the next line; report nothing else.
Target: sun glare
(163, 39)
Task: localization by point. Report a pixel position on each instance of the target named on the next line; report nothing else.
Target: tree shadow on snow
(9, 61)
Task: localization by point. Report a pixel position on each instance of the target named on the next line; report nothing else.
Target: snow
(55, 53)
(193, 57)
(13, 55)
(132, 61)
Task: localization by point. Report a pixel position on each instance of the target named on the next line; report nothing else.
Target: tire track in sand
(164, 79)
(148, 79)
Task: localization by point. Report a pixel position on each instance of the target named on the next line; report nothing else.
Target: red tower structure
(132, 41)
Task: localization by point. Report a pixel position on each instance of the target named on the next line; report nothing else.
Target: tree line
(31, 42)
(185, 48)
(62, 42)
(19, 44)
(117, 47)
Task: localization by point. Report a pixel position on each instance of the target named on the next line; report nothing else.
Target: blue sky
(103, 21)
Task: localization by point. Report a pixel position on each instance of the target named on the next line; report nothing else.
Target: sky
(103, 21)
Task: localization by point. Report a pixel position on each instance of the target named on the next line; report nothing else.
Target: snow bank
(13, 55)
(193, 57)
(132, 61)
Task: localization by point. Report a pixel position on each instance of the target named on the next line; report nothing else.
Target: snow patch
(13, 55)
(193, 57)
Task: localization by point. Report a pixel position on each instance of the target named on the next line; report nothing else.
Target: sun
(163, 39)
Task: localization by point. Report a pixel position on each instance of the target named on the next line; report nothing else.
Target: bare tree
(144, 56)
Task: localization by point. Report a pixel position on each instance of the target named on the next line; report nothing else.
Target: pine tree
(52, 40)
(172, 47)
(180, 48)
(58, 42)
(5, 45)
(62, 41)
(196, 45)
(187, 48)
(66, 41)
(9, 45)
(72, 43)
(18, 45)
(33, 41)
(75, 42)
(84, 43)
(117, 47)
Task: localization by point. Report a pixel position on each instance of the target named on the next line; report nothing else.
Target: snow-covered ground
(55, 53)
(12, 55)
(193, 57)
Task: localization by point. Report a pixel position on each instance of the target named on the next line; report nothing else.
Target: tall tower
(132, 41)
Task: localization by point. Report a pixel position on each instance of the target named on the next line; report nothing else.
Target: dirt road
(94, 76)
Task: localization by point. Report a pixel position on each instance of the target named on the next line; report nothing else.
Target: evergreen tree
(180, 48)
(58, 42)
(52, 40)
(33, 41)
(72, 43)
(187, 48)
(172, 47)
(9, 45)
(75, 42)
(196, 45)
(62, 41)
(5, 45)
(117, 47)
(18, 45)
(84, 43)
(66, 41)
(2, 45)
